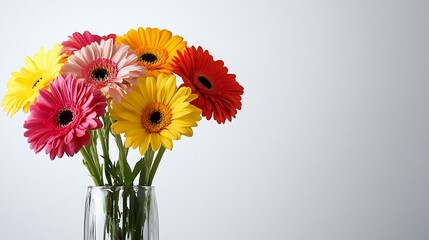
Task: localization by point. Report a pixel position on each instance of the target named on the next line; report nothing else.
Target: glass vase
(121, 213)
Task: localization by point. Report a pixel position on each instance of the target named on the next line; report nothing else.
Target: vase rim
(120, 187)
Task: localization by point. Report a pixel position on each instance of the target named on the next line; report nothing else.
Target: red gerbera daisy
(79, 40)
(219, 94)
(60, 119)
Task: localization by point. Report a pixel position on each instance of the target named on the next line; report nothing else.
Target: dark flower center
(149, 57)
(100, 74)
(155, 117)
(205, 82)
(65, 117)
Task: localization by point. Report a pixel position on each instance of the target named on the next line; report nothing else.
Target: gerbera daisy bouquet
(91, 92)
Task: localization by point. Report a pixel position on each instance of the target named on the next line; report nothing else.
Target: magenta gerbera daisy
(78, 40)
(106, 67)
(60, 119)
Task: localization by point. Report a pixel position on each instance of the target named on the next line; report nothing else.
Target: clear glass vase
(121, 213)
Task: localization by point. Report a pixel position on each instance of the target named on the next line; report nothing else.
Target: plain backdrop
(332, 142)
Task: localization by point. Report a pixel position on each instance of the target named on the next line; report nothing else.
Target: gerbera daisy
(60, 119)
(23, 86)
(219, 94)
(155, 48)
(79, 40)
(106, 67)
(154, 113)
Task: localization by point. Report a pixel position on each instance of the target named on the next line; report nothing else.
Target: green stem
(94, 152)
(90, 166)
(103, 143)
(106, 125)
(122, 161)
(106, 156)
(147, 162)
(156, 164)
(126, 152)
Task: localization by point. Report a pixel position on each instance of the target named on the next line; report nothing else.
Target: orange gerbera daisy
(155, 48)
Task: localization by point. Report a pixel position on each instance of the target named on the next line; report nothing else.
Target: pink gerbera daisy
(60, 119)
(106, 67)
(78, 40)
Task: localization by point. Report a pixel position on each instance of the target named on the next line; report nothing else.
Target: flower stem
(103, 143)
(94, 156)
(156, 164)
(106, 156)
(91, 167)
(124, 167)
(147, 162)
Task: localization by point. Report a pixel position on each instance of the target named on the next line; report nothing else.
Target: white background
(332, 142)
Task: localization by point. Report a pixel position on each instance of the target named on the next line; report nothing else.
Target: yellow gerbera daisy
(23, 86)
(155, 112)
(155, 48)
